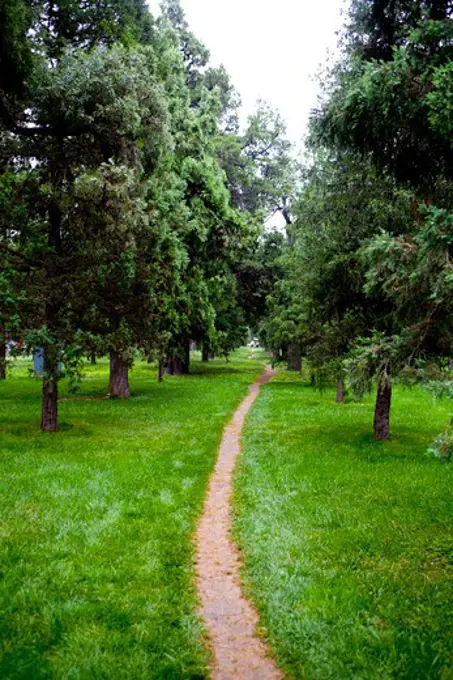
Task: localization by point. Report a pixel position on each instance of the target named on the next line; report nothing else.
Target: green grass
(348, 542)
(96, 560)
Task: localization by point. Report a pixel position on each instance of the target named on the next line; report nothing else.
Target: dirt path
(230, 619)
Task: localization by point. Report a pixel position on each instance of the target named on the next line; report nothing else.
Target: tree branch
(38, 130)
(17, 254)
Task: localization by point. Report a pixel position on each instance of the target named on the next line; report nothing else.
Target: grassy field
(96, 521)
(348, 542)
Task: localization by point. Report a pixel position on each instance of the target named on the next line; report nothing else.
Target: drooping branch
(36, 130)
(19, 255)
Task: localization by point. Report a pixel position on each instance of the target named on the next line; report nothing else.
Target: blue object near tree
(38, 362)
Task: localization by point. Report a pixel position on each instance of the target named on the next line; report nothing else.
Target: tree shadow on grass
(275, 383)
(11, 431)
(405, 445)
(215, 371)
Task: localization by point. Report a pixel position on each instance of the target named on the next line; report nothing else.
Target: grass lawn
(348, 542)
(96, 523)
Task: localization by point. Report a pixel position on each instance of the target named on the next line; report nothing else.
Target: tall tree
(384, 108)
(322, 304)
(89, 109)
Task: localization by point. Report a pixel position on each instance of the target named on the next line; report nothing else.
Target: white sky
(271, 48)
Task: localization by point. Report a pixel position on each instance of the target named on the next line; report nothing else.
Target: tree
(376, 27)
(257, 272)
(388, 103)
(50, 122)
(211, 229)
(387, 109)
(94, 108)
(321, 304)
(195, 54)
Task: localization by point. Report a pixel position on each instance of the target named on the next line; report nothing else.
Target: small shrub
(442, 446)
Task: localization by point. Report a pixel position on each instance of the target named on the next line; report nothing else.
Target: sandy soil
(230, 619)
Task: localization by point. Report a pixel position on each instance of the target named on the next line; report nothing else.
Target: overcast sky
(271, 48)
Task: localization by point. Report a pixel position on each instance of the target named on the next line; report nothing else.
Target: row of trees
(131, 204)
(368, 286)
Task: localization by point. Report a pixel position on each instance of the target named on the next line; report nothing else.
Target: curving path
(230, 619)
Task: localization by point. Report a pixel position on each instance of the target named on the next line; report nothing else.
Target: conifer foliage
(119, 230)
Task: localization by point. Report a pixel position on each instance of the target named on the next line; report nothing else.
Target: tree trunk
(93, 358)
(49, 416)
(119, 377)
(205, 354)
(169, 366)
(340, 392)
(2, 358)
(186, 360)
(161, 371)
(294, 358)
(383, 403)
(174, 366)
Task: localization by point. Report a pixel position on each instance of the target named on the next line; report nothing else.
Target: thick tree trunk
(294, 358)
(119, 377)
(205, 354)
(175, 366)
(383, 403)
(49, 416)
(2, 359)
(340, 392)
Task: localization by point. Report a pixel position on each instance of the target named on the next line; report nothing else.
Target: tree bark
(175, 366)
(161, 371)
(294, 358)
(340, 392)
(186, 360)
(383, 403)
(119, 377)
(179, 362)
(93, 358)
(2, 359)
(169, 366)
(49, 415)
(205, 354)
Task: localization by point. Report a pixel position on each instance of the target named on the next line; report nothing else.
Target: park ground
(347, 542)
(97, 520)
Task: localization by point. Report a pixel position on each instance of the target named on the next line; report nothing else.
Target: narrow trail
(230, 619)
